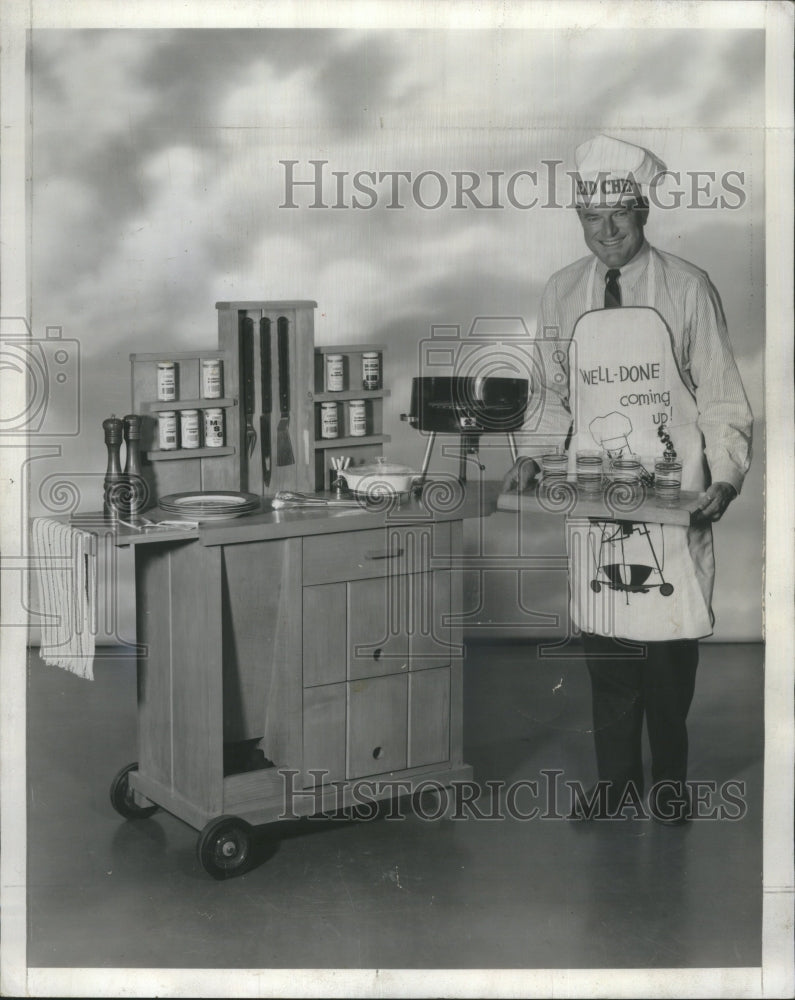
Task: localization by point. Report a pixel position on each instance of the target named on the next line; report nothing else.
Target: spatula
(284, 448)
(267, 400)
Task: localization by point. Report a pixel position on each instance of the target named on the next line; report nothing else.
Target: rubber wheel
(122, 798)
(666, 589)
(425, 803)
(224, 847)
(596, 586)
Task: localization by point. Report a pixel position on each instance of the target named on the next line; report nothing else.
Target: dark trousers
(656, 682)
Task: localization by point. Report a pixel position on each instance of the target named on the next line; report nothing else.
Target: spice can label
(166, 381)
(167, 430)
(189, 428)
(335, 373)
(371, 371)
(329, 423)
(358, 418)
(212, 378)
(214, 428)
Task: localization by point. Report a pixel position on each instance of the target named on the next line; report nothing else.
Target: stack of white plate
(211, 505)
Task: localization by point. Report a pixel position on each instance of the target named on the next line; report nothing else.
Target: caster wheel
(224, 847)
(666, 589)
(122, 798)
(430, 803)
(596, 586)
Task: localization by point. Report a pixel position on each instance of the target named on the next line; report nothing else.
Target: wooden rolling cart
(330, 637)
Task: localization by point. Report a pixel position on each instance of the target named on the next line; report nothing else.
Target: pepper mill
(136, 487)
(113, 474)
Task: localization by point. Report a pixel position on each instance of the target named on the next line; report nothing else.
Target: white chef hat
(611, 431)
(609, 170)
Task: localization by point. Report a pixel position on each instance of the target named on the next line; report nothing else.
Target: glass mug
(554, 465)
(625, 469)
(589, 472)
(667, 482)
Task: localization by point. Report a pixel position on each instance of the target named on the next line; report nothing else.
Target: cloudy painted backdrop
(157, 188)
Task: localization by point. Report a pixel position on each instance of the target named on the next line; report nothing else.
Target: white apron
(647, 582)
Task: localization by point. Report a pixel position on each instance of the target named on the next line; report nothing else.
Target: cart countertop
(290, 522)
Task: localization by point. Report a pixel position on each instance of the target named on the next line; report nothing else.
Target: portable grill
(467, 406)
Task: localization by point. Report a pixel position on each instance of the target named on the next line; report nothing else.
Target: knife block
(236, 321)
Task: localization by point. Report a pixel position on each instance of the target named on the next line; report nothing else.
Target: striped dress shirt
(691, 308)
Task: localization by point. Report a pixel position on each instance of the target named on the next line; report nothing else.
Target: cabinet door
(429, 628)
(324, 734)
(429, 717)
(324, 634)
(377, 725)
(377, 634)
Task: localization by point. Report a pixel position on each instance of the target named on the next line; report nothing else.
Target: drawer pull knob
(378, 753)
(377, 653)
(379, 554)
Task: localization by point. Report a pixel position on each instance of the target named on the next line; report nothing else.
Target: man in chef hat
(628, 306)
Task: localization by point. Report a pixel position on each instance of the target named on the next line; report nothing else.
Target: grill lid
(461, 404)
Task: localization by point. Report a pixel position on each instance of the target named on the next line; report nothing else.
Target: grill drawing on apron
(627, 577)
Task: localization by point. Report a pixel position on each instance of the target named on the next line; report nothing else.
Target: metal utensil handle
(284, 365)
(376, 554)
(265, 363)
(247, 358)
(247, 363)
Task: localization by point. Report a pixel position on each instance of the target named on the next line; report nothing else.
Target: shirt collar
(631, 271)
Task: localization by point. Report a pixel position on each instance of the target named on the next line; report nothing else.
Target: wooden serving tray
(618, 502)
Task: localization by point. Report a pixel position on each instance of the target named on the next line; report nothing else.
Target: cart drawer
(377, 725)
(361, 555)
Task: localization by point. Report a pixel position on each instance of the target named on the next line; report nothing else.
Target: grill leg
(512, 445)
(426, 460)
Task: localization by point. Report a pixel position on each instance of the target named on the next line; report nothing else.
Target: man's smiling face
(614, 234)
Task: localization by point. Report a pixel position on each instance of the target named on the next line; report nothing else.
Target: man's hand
(519, 475)
(715, 501)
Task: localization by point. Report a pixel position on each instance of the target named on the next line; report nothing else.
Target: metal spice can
(166, 381)
(371, 370)
(335, 373)
(329, 424)
(212, 378)
(214, 427)
(189, 428)
(167, 430)
(358, 418)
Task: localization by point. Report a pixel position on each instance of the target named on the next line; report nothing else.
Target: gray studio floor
(103, 892)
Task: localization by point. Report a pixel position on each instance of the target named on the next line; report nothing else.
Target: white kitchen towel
(65, 568)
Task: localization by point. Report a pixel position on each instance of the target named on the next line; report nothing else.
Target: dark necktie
(612, 289)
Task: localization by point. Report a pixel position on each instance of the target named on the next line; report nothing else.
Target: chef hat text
(610, 170)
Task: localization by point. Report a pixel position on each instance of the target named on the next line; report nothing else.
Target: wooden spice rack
(360, 448)
(181, 469)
